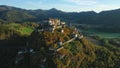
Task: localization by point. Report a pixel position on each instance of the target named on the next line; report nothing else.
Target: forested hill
(13, 14)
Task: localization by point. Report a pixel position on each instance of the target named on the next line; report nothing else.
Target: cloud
(82, 2)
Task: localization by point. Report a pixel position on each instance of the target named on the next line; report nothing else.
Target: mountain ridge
(86, 17)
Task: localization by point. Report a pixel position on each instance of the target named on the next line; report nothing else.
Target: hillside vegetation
(76, 54)
(80, 53)
(8, 30)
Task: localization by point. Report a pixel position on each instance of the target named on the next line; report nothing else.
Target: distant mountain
(6, 8)
(13, 14)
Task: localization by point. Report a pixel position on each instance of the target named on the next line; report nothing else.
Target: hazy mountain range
(13, 14)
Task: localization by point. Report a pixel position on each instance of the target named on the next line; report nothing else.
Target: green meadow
(21, 29)
(105, 35)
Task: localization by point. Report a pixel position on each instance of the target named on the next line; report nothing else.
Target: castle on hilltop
(55, 22)
(52, 24)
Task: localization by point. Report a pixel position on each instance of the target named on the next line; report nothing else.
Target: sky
(65, 5)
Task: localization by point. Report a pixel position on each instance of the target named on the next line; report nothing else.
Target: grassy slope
(23, 30)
